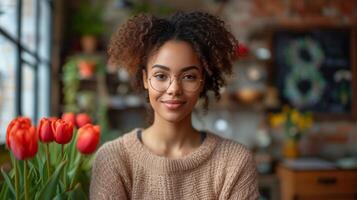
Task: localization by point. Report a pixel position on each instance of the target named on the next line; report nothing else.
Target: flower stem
(26, 181)
(17, 195)
(48, 160)
(62, 148)
(76, 172)
(64, 178)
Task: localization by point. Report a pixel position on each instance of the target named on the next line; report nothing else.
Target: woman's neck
(171, 139)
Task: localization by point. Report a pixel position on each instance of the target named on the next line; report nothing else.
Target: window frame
(21, 48)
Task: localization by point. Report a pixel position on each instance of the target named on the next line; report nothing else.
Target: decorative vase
(291, 149)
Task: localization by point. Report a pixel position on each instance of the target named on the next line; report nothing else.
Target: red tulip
(83, 119)
(53, 118)
(24, 121)
(88, 138)
(62, 131)
(22, 139)
(44, 130)
(69, 117)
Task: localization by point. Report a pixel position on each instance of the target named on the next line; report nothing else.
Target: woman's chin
(173, 117)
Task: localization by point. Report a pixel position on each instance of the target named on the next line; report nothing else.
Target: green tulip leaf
(61, 186)
(72, 150)
(34, 173)
(87, 165)
(49, 190)
(4, 191)
(8, 181)
(84, 179)
(71, 173)
(77, 193)
(61, 196)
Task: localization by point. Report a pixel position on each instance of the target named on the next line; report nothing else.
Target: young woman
(176, 61)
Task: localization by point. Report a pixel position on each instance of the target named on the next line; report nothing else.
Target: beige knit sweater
(219, 169)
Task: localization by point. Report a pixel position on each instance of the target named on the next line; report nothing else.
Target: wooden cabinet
(317, 184)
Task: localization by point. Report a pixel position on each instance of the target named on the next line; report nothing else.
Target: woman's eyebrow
(182, 70)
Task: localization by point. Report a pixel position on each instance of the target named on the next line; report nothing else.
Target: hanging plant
(70, 85)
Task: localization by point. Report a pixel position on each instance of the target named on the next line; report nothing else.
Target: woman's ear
(145, 79)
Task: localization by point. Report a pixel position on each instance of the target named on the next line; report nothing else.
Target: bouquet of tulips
(51, 161)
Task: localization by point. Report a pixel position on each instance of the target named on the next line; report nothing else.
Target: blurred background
(292, 98)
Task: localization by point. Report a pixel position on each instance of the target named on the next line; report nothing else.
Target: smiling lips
(173, 104)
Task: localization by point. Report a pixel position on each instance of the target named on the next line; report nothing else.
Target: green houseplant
(88, 23)
(73, 95)
(294, 123)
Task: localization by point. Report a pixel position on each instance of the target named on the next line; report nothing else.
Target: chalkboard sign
(313, 69)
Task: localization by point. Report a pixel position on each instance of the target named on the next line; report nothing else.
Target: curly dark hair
(142, 35)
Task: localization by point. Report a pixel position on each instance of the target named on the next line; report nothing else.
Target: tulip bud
(22, 139)
(44, 130)
(88, 138)
(62, 131)
(69, 117)
(24, 121)
(83, 119)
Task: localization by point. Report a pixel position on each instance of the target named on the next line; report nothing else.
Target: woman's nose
(174, 87)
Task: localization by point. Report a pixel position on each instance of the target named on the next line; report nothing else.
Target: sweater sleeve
(246, 185)
(106, 182)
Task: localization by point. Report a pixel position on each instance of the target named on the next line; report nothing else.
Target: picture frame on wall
(314, 69)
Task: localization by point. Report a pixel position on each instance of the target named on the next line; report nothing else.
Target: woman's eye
(189, 77)
(160, 77)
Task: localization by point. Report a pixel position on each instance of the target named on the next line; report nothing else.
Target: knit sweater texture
(219, 168)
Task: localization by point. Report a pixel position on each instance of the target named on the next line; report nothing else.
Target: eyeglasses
(162, 81)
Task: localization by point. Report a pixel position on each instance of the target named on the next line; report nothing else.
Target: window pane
(44, 96)
(28, 23)
(28, 57)
(8, 16)
(7, 84)
(44, 53)
(45, 25)
(28, 91)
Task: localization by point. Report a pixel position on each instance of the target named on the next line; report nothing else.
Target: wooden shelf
(314, 21)
(317, 184)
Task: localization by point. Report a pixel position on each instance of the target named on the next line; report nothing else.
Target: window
(25, 35)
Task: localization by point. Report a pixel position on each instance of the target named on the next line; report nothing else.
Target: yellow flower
(305, 122)
(295, 116)
(300, 121)
(277, 119)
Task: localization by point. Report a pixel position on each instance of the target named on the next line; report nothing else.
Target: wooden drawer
(325, 182)
(334, 184)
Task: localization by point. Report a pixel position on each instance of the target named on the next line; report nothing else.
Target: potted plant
(88, 23)
(294, 124)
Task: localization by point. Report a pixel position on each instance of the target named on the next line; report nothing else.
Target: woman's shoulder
(117, 148)
(230, 145)
(231, 150)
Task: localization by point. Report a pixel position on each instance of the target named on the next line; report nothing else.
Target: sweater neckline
(202, 135)
(162, 164)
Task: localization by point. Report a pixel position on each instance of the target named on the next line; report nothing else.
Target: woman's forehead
(182, 69)
(174, 56)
